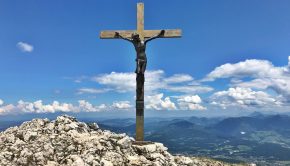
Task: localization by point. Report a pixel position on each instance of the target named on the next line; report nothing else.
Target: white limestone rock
(65, 141)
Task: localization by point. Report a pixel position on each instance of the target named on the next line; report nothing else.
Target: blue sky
(233, 55)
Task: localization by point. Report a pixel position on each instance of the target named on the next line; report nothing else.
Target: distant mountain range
(258, 138)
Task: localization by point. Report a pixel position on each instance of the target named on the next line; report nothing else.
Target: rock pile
(65, 141)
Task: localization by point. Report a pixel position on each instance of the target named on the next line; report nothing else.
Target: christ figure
(140, 47)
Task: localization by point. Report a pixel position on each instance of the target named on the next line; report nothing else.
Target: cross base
(141, 143)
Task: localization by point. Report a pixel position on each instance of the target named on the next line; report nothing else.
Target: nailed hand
(117, 34)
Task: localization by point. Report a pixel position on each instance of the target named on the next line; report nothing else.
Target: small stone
(52, 163)
(125, 142)
(93, 126)
(106, 163)
(29, 135)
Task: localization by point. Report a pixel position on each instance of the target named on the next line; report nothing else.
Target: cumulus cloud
(39, 107)
(156, 102)
(190, 99)
(25, 47)
(125, 82)
(152, 102)
(280, 85)
(88, 107)
(154, 82)
(248, 68)
(243, 97)
(122, 82)
(122, 105)
(6, 109)
(1, 102)
(190, 103)
(259, 74)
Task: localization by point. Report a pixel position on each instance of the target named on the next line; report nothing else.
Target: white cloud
(1, 102)
(178, 78)
(243, 97)
(39, 107)
(190, 106)
(189, 89)
(260, 74)
(6, 109)
(248, 68)
(88, 107)
(122, 82)
(190, 103)
(79, 79)
(25, 47)
(64, 107)
(190, 99)
(156, 102)
(154, 82)
(122, 105)
(152, 102)
(92, 91)
(242, 132)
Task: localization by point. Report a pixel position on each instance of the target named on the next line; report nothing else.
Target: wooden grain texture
(140, 20)
(110, 34)
(169, 33)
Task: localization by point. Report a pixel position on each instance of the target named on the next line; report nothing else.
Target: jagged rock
(65, 141)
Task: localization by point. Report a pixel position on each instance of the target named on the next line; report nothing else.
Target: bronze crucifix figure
(140, 47)
(139, 38)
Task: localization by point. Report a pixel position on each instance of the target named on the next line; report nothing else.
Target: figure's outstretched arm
(157, 36)
(117, 34)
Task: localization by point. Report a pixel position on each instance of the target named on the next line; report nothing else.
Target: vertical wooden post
(140, 20)
(140, 79)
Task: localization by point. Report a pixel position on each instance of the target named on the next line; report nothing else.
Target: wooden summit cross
(140, 79)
